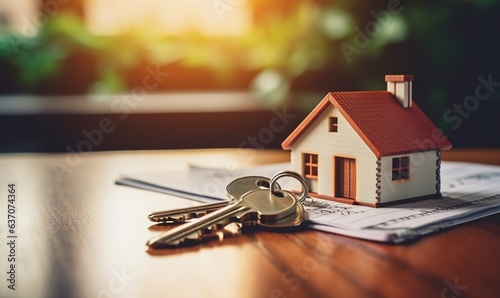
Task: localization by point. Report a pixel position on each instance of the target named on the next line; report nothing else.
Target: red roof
(381, 121)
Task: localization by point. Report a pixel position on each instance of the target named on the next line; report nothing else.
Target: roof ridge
(381, 121)
(362, 91)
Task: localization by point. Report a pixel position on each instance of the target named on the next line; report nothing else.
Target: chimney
(400, 86)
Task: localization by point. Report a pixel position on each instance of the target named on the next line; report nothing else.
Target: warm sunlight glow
(169, 17)
(21, 16)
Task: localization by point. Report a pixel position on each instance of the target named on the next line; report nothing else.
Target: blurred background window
(14, 15)
(169, 17)
(273, 50)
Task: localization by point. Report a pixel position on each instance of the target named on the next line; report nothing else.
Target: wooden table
(80, 235)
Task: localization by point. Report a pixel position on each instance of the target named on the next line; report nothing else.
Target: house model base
(373, 148)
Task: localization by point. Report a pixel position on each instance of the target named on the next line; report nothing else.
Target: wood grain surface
(80, 235)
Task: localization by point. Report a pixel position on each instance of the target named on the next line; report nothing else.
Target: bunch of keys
(254, 201)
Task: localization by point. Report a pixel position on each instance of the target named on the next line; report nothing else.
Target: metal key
(182, 215)
(234, 190)
(239, 186)
(294, 220)
(290, 222)
(257, 207)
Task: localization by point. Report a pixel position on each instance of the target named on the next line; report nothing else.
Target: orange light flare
(169, 17)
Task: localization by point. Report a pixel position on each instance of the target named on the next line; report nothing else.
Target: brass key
(182, 215)
(239, 186)
(234, 190)
(257, 207)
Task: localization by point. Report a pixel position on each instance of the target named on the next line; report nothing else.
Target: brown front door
(345, 177)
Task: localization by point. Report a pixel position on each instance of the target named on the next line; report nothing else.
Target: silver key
(234, 190)
(253, 208)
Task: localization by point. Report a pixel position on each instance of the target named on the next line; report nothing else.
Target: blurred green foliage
(307, 45)
(292, 46)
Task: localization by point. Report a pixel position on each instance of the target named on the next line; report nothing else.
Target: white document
(470, 191)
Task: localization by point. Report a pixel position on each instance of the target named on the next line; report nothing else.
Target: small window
(311, 165)
(401, 168)
(333, 124)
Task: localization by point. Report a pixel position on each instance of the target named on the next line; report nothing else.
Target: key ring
(273, 185)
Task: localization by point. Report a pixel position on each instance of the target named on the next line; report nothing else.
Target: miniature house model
(371, 147)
